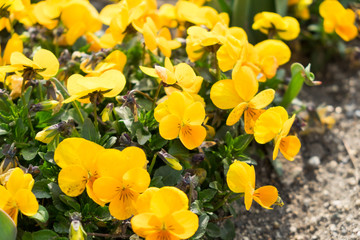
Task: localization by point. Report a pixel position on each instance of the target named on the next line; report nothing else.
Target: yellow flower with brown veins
(108, 84)
(122, 178)
(275, 124)
(44, 63)
(16, 195)
(180, 116)
(241, 179)
(115, 60)
(241, 94)
(287, 28)
(163, 214)
(338, 19)
(161, 39)
(77, 159)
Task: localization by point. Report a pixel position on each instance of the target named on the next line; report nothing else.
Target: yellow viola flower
(77, 159)
(97, 43)
(109, 84)
(275, 124)
(241, 179)
(270, 55)
(301, 8)
(287, 28)
(44, 63)
(233, 51)
(16, 195)
(163, 214)
(115, 60)
(240, 94)
(14, 44)
(167, 16)
(79, 17)
(23, 11)
(179, 116)
(5, 12)
(182, 75)
(158, 39)
(47, 12)
(338, 19)
(122, 178)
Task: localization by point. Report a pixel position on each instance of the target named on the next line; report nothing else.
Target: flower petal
(124, 207)
(72, 180)
(184, 224)
(245, 82)
(146, 224)
(262, 99)
(239, 176)
(192, 136)
(224, 95)
(266, 196)
(17, 58)
(46, 60)
(290, 147)
(107, 188)
(137, 179)
(144, 200)
(194, 114)
(26, 202)
(236, 114)
(113, 77)
(169, 127)
(250, 117)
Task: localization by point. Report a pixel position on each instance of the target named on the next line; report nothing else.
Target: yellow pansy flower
(14, 44)
(122, 178)
(16, 195)
(77, 159)
(179, 116)
(79, 17)
(275, 124)
(47, 12)
(338, 19)
(163, 214)
(108, 84)
(44, 63)
(158, 39)
(287, 28)
(241, 179)
(240, 93)
(115, 60)
(301, 8)
(270, 55)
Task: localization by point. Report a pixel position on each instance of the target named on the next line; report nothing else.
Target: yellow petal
(168, 200)
(107, 188)
(137, 179)
(116, 78)
(72, 180)
(262, 99)
(77, 151)
(17, 58)
(245, 82)
(236, 114)
(149, 71)
(26, 202)
(46, 60)
(275, 48)
(184, 224)
(290, 147)
(75, 32)
(18, 181)
(90, 192)
(14, 44)
(240, 176)
(292, 30)
(192, 136)
(144, 200)
(250, 117)
(266, 196)
(194, 114)
(177, 103)
(124, 207)
(184, 74)
(276, 147)
(248, 197)
(5, 197)
(224, 95)
(146, 224)
(149, 32)
(168, 65)
(287, 126)
(169, 127)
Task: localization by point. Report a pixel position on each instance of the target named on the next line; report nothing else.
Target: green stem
(96, 123)
(41, 97)
(152, 163)
(217, 67)
(223, 201)
(78, 112)
(156, 95)
(32, 131)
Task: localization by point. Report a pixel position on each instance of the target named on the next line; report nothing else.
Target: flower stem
(41, 97)
(96, 123)
(152, 163)
(156, 95)
(32, 131)
(78, 112)
(216, 62)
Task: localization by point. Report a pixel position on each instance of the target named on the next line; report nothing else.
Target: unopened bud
(45, 105)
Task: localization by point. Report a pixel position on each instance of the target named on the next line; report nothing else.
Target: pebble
(332, 166)
(276, 225)
(352, 181)
(357, 113)
(357, 203)
(332, 227)
(293, 229)
(314, 161)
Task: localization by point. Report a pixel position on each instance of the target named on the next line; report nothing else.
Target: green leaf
(156, 182)
(29, 153)
(7, 226)
(203, 222)
(170, 177)
(215, 185)
(41, 189)
(44, 235)
(61, 224)
(207, 194)
(213, 230)
(196, 207)
(241, 142)
(102, 213)
(110, 142)
(71, 202)
(89, 132)
(228, 230)
(4, 129)
(42, 215)
(281, 7)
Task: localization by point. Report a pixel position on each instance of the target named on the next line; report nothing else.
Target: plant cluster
(141, 121)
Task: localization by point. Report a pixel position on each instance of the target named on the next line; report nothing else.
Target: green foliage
(7, 226)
